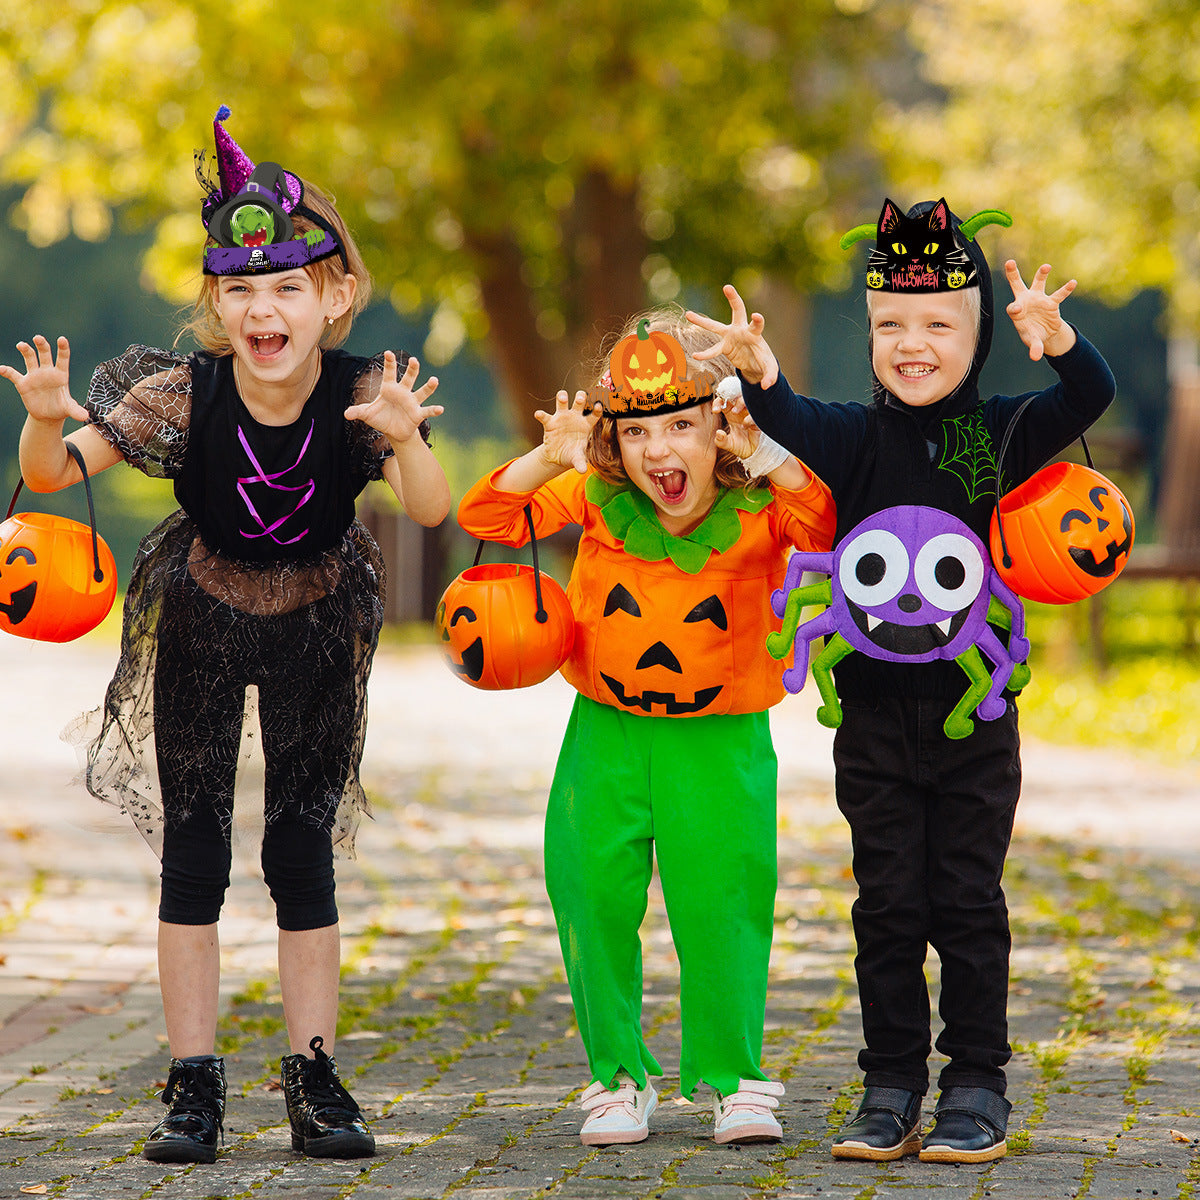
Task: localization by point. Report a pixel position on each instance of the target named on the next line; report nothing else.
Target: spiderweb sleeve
(141, 403)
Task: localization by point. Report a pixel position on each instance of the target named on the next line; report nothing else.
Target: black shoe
(195, 1094)
(886, 1126)
(326, 1122)
(969, 1125)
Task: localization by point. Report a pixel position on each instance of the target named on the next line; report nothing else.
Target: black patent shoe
(195, 1095)
(887, 1126)
(326, 1122)
(969, 1126)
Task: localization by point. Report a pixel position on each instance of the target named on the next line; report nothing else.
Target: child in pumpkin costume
(930, 811)
(668, 751)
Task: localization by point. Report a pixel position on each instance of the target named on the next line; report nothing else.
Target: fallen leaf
(36, 1189)
(273, 1085)
(103, 1091)
(1179, 1136)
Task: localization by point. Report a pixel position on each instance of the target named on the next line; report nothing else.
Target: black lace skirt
(302, 633)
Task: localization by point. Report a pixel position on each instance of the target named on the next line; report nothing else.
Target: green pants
(699, 792)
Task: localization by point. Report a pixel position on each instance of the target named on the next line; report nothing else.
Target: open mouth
(264, 345)
(670, 485)
(915, 370)
(674, 707)
(472, 661)
(909, 640)
(20, 603)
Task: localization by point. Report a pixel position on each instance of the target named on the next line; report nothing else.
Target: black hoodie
(942, 456)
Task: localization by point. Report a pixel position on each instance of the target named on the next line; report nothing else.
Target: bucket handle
(76, 454)
(1006, 557)
(541, 615)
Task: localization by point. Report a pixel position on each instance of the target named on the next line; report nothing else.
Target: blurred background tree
(1084, 119)
(529, 173)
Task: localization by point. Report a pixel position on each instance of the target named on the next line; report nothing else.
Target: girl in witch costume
(686, 518)
(929, 793)
(263, 576)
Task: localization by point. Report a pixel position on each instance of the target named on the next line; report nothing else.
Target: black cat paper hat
(923, 250)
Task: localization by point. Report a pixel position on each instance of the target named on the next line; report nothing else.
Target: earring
(329, 321)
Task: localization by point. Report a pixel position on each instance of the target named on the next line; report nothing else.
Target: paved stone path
(456, 1030)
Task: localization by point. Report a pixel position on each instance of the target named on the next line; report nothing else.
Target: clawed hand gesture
(566, 431)
(397, 411)
(45, 386)
(741, 436)
(741, 341)
(1036, 314)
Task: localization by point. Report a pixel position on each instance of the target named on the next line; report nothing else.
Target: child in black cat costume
(930, 816)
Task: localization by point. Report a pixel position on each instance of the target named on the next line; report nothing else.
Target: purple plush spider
(908, 584)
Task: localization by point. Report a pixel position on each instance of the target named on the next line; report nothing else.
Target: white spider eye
(949, 571)
(873, 568)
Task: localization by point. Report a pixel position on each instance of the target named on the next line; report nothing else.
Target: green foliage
(1082, 118)
(1146, 699)
(527, 171)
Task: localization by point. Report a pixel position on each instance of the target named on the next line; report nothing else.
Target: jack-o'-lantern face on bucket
(18, 565)
(1100, 535)
(53, 586)
(668, 658)
(1068, 532)
(489, 630)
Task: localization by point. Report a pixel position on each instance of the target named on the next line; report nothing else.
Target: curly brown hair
(603, 450)
(205, 325)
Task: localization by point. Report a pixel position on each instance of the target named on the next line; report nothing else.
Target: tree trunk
(606, 247)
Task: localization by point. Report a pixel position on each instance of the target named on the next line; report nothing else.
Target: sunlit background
(522, 175)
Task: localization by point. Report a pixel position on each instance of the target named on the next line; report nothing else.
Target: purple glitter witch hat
(233, 164)
(249, 214)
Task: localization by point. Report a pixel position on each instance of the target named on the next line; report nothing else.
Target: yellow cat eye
(932, 248)
(899, 248)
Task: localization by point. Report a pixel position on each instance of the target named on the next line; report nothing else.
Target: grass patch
(1145, 697)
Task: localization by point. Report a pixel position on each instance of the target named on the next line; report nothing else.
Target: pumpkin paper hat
(926, 249)
(647, 374)
(248, 213)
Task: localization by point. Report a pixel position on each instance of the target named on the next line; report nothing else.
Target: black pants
(930, 820)
(207, 655)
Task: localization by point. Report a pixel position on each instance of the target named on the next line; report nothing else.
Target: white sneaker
(746, 1115)
(617, 1115)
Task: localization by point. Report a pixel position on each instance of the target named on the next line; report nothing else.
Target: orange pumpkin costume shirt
(665, 625)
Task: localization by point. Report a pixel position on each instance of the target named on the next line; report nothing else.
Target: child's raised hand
(566, 431)
(741, 434)
(45, 386)
(741, 341)
(1035, 314)
(397, 411)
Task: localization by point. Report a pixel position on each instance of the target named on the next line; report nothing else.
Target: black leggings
(207, 655)
(297, 862)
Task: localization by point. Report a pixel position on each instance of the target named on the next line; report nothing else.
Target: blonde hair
(603, 448)
(205, 325)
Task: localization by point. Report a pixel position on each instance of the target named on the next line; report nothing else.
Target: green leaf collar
(630, 516)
